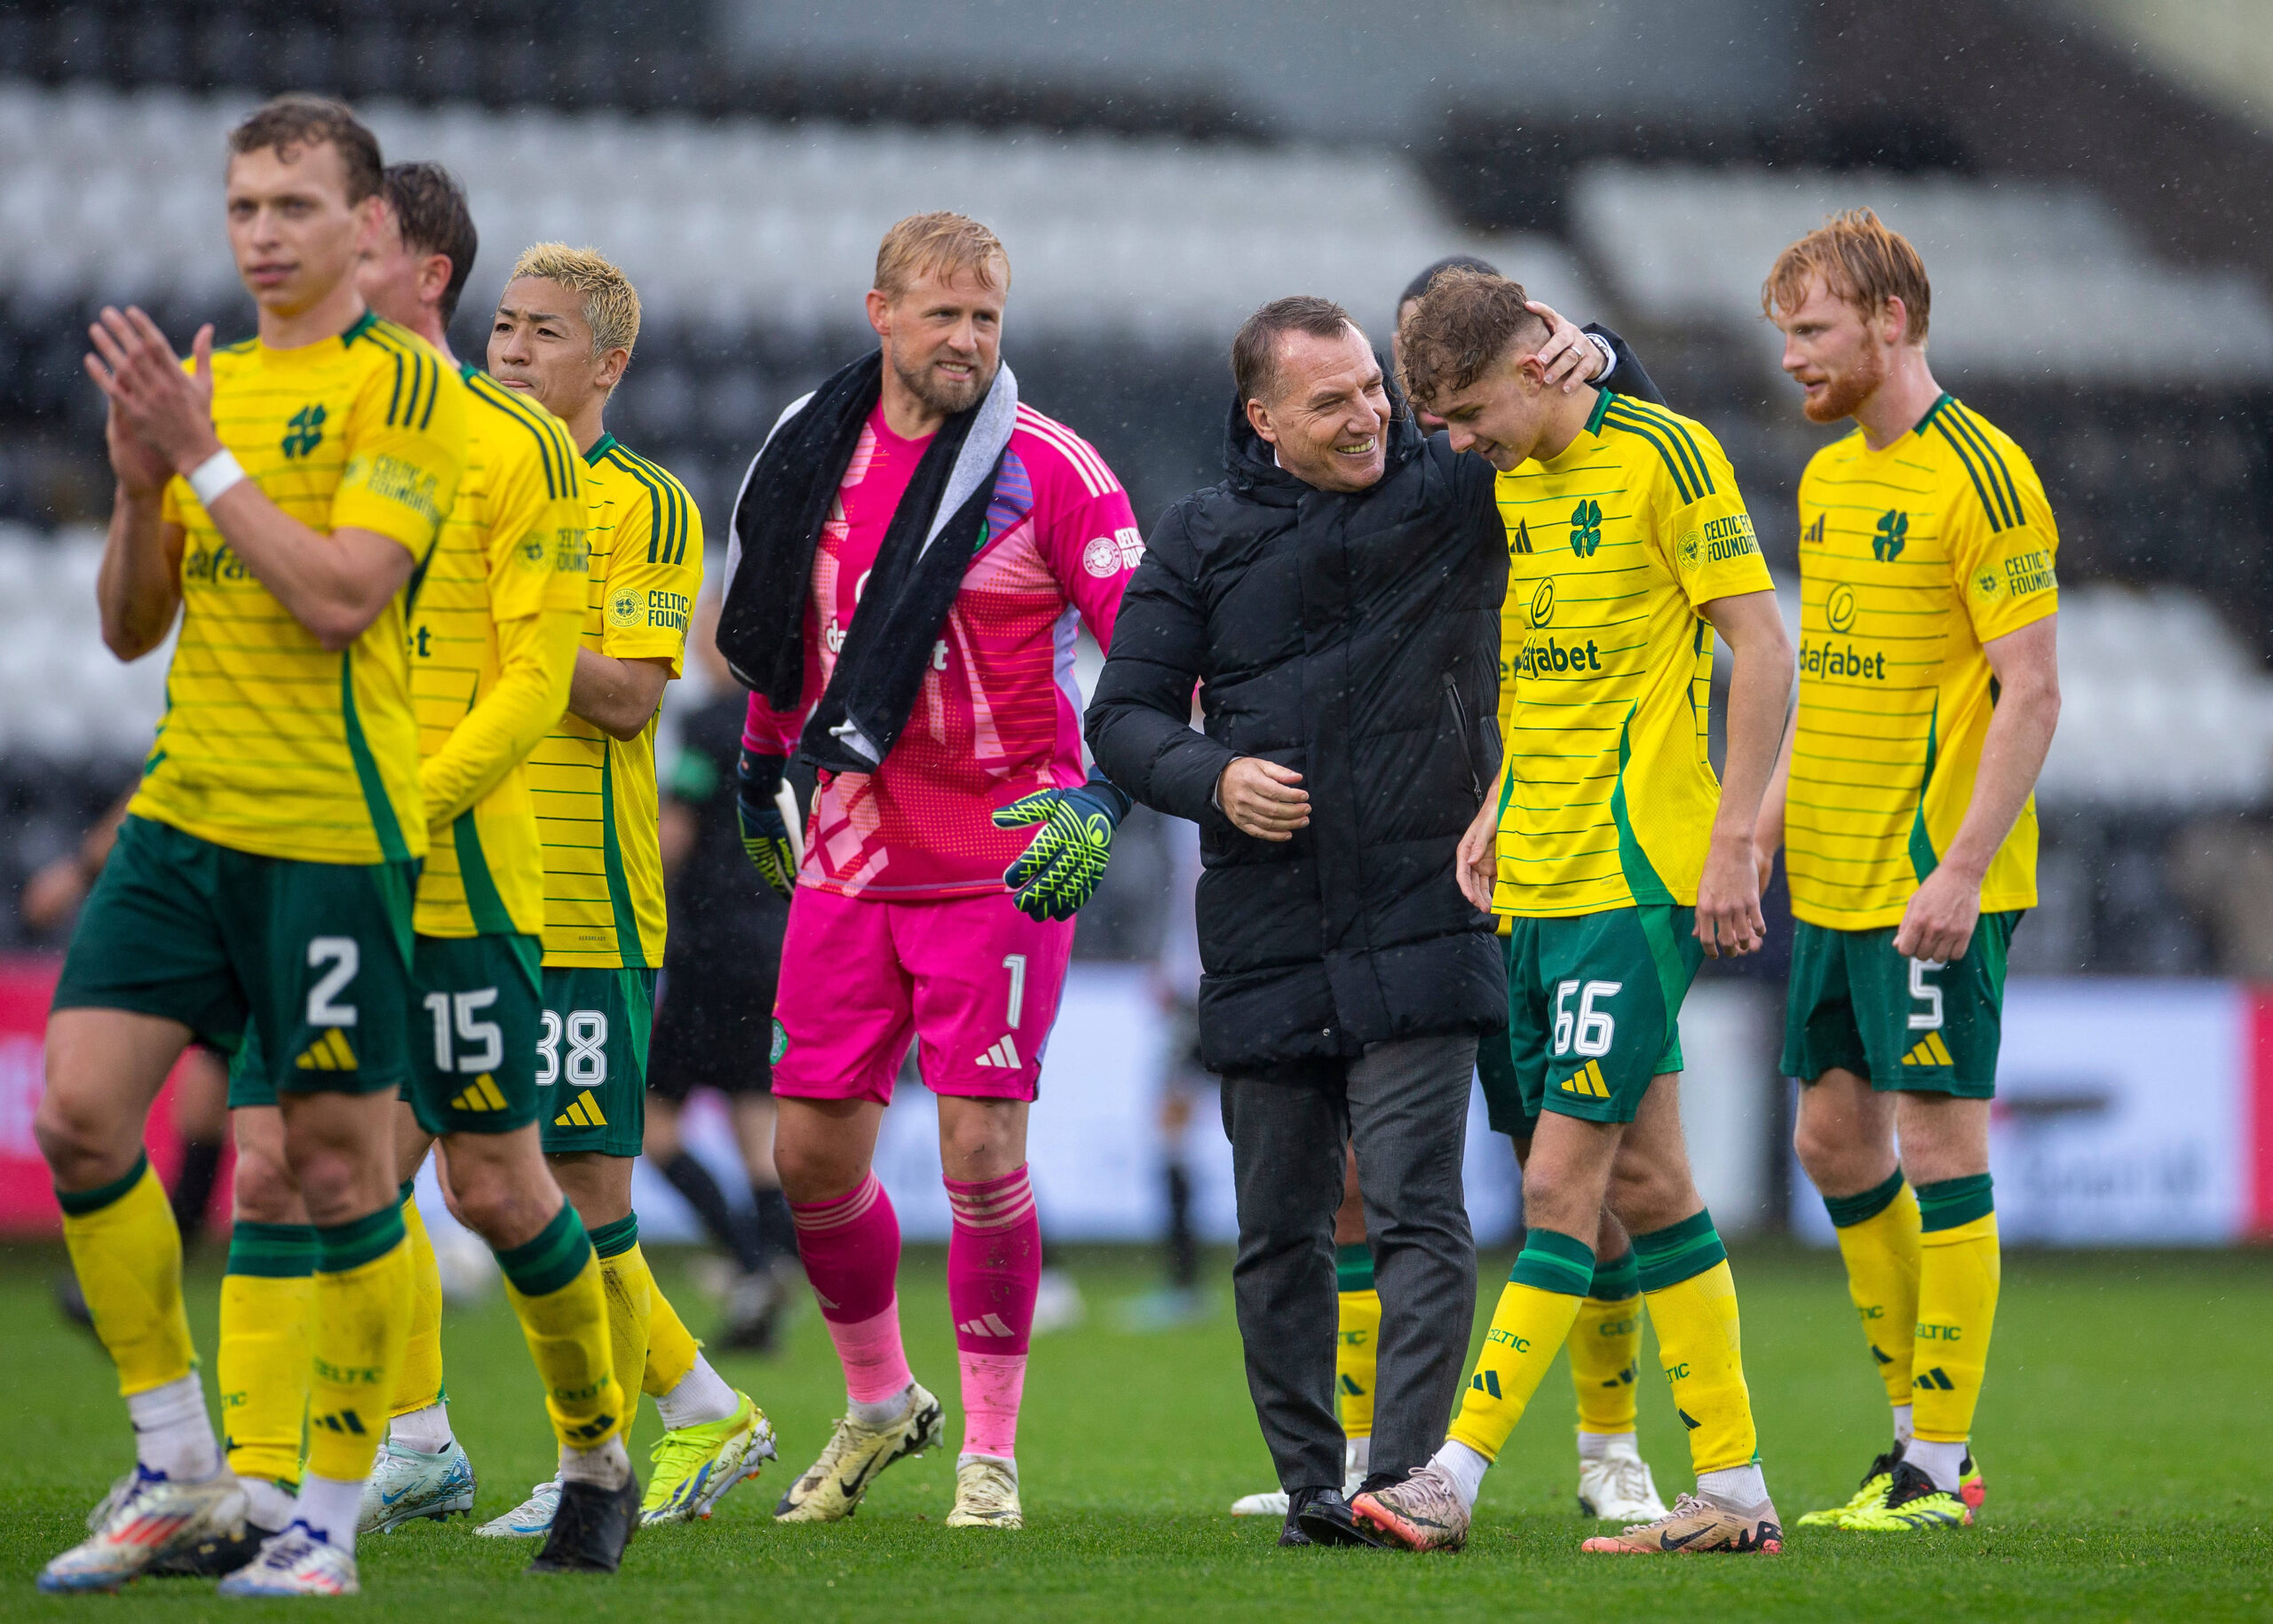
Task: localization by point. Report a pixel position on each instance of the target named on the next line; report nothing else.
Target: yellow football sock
(1878, 1236)
(362, 1315)
(1606, 1347)
(420, 1384)
(1692, 1302)
(1537, 1308)
(554, 1284)
(671, 1348)
(631, 1297)
(126, 1251)
(1958, 1276)
(267, 1298)
(1356, 1338)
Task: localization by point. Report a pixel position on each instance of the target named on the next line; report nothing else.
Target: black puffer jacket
(1355, 638)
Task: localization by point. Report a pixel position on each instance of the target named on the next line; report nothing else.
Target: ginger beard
(1845, 390)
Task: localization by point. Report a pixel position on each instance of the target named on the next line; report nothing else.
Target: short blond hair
(610, 303)
(1862, 261)
(942, 241)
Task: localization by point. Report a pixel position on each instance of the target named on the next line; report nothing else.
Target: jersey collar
(601, 447)
(1602, 405)
(364, 323)
(1934, 411)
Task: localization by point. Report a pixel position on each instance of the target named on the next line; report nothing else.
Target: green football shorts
(474, 1061)
(312, 960)
(1898, 1022)
(591, 1060)
(1594, 1007)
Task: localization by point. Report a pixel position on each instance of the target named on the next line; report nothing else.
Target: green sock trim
(1954, 1202)
(78, 1204)
(272, 1251)
(614, 1240)
(1849, 1211)
(1552, 1262)
(1353, 1267)
(349, 1246)
(1679, 1252)
(1616, 1280)
(540, 1267)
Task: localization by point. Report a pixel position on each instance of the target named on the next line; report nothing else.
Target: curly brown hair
(289, 123)
(1464, 326)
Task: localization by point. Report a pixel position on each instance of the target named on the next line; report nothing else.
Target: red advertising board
(27, 1196)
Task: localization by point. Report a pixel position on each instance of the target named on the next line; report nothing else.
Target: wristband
(214, 475)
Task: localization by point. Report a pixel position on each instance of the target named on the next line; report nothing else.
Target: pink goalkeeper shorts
(973, 979)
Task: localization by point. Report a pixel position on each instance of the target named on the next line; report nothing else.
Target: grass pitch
(2126, 1435)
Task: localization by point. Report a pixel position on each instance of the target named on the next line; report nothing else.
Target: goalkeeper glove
(1062, 865)
(766, 834)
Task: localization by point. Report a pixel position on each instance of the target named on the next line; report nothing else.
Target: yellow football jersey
(513, 546)
(1606, 796)
(270, 744)
(1909, 560)
(596, 797)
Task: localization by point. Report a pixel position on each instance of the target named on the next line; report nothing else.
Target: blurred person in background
(1620, 862)
(913, 550)
(714, 1016)
(48, 904)
(1903, 800)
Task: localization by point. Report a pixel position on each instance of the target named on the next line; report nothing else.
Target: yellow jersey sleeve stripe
(548, 446)
(666, 533)
(1672, 424)
(1978, 459)
(2002, 476)
(1667, 449)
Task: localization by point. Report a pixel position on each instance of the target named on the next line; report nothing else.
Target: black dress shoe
(1324, 1518)
(591, 1527)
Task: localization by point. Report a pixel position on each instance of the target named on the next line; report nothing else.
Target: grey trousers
(1403, 1106)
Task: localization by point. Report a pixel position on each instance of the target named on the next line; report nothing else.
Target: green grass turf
(2125, 1432)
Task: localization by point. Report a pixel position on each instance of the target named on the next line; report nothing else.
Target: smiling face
(540, 344)
(1328, 414)
(943, 335)
(1504, 415)
(294, 233)
(1836, 353)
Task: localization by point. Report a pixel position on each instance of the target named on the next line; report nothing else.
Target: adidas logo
(1881, 1358)
(1587, 1081)
(339, 1421)
(599, 1427)
(1687, 1419)
(585, 1112)
(482, 1094)
(1929, 1051)
(1521, 544)
(1812, 536)
(1485, 1382)
(1936, 1380)
(1349, 1384)
(985, 1325)
(1624, 1378)
(1004, 1054)
(328, 1053)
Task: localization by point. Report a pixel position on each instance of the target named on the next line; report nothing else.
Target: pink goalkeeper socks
(851, 1250)
(994, 1271)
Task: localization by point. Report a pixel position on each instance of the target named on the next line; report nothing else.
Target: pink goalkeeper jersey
(999, 715)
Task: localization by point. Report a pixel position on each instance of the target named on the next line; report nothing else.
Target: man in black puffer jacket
(1337, 598)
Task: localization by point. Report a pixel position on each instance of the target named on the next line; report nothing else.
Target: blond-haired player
(1928, 690)
(277, 497)
(563, 335)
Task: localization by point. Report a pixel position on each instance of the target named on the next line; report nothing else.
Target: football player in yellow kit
(493, 639)
(1621, 861)
(562, 336)
(1929, 690)
(278, 496)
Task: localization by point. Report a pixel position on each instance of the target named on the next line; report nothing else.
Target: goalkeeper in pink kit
(912, 549)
